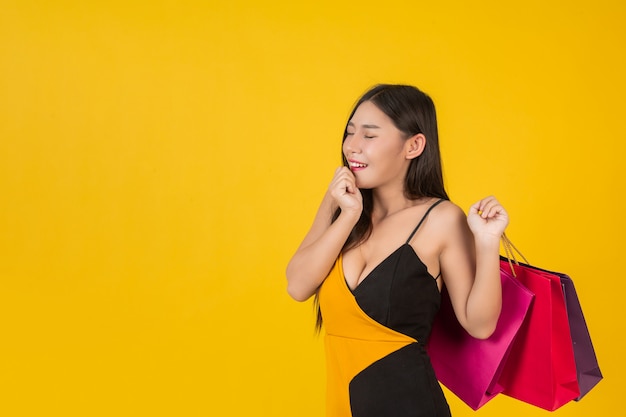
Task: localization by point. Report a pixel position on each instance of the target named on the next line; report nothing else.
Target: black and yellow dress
(376, 361)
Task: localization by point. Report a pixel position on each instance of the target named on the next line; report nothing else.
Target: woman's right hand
(345, 193)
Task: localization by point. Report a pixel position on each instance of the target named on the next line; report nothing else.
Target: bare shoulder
(447, 214)
(448, 221)
(443, 226)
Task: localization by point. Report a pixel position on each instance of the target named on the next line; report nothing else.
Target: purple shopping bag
(587, 366)
(470, 367)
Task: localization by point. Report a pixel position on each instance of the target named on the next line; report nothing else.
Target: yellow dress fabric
(353, 340)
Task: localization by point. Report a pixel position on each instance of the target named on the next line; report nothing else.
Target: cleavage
(366, 271)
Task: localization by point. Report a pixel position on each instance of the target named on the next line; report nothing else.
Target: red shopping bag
(587, 368)
(541, 369)
(470, 367)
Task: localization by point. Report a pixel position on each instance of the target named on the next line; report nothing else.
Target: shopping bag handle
(510, 250)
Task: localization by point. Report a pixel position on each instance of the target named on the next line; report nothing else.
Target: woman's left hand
(487, 217)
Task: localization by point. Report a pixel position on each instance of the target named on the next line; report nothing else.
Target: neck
(387, 202)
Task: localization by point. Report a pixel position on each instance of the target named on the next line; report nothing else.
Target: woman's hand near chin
(344, 192)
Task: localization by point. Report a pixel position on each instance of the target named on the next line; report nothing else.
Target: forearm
(315, 257)
(485, 299)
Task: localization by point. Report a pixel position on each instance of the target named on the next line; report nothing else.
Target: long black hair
(412, 111)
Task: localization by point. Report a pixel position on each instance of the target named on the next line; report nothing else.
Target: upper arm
(457, 259)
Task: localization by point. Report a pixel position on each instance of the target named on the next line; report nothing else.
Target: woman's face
(375, 148)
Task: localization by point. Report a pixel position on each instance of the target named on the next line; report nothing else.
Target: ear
(414, 146)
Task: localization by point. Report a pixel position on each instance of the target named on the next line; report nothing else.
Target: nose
(352, 144)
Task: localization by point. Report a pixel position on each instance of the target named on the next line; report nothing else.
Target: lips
(354, 165)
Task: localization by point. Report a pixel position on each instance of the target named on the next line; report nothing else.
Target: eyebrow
(365, 126)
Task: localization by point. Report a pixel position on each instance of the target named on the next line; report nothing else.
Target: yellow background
(160, 162)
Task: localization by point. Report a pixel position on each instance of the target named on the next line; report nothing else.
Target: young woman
(384, 241)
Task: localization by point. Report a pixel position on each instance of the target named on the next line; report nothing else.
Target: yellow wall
(160, 162)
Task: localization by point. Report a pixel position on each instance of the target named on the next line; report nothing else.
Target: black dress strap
(424, 218)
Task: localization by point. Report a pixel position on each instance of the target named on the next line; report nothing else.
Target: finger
(475, 208)
(348, 187)
(491, 212)
(344, 173)
(479, 206)
(340, 175)
(497, 211)
(340, 170)
(488, 205)
(494, 207)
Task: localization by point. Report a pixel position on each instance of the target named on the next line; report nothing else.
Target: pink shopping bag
(470, 367)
